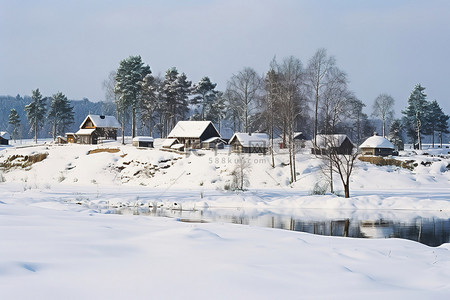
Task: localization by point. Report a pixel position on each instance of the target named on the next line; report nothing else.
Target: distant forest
(81, 109)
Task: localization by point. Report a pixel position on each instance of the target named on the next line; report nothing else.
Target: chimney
(102, 117)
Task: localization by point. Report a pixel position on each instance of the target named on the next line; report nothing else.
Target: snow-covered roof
(168, 142)
(5, 135)
(85, 131)
(299, 135)
(251, 140)
(177, 146)
(336, 140)
(143, 139)
(103, 121)
(213, 139)
(377, 142)
(189, 129)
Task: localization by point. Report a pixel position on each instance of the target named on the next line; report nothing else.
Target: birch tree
(318, 71)
(245, 88)
(383, 107)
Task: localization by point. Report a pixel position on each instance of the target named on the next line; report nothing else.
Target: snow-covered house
(377, 145)
(193, 133)
(143, 141)
(96, 128)
(339, 143)
(249, 142)
(4, 138)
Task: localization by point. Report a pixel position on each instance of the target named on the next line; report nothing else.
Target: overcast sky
(71, 46)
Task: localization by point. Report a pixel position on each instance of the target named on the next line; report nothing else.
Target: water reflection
(432, 231)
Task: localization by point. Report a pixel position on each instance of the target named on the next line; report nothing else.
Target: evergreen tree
(169, 91)
(129, 77)
(218, 110)
(60, 114)
(415, 115)
(149, 101)
(14, 120)
(36, 111)
(433, 120)
(184, 88)
(395, 134)
(442, 126)
(205, 96)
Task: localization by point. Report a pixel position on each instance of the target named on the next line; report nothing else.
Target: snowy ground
(58, 239)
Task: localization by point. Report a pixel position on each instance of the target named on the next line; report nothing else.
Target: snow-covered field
(59, 239)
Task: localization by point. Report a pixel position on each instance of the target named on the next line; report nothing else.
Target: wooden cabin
(4, 138)
(336, 143)
(249, 142)
(377, 145)
(143, 142)
(193, 133)
(97, 128)
(61, 140)
(70, 137)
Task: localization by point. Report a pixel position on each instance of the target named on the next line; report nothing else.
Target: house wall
(4, 141)
(88, 124)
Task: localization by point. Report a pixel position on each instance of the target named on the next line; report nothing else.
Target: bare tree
(335, 100)
(240, 173)
(338, 161)
(383, 107)
(318, 73)
(245, 88)
(290, 101)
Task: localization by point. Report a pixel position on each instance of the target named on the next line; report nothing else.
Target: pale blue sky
(71, 46)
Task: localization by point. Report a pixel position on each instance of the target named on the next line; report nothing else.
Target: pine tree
(415, 114)
(442, 125)
(149, 101)
(14, 120)
(60, 114)
(218, 110)
(169, 91)
(36, 111)
(205, 96)
(129, 77)
(395, 134)
(184, 88)
(433, 119)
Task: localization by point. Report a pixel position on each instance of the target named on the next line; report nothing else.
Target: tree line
(290, 97)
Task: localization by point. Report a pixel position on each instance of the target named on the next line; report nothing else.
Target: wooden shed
(4, 138)
(249, 142)
(193, 133)
(96, 128)
(338, 143)
(143, 141)
(377, 145)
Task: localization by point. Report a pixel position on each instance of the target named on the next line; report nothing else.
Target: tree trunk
(35, 132)
(331, 177)
(347, 189)
(123, 128)
(133, 122)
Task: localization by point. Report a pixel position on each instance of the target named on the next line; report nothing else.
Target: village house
(249, 142)
(192, 133)
(336, 143)
(4, 138)
(95, 129)
(377, 145)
